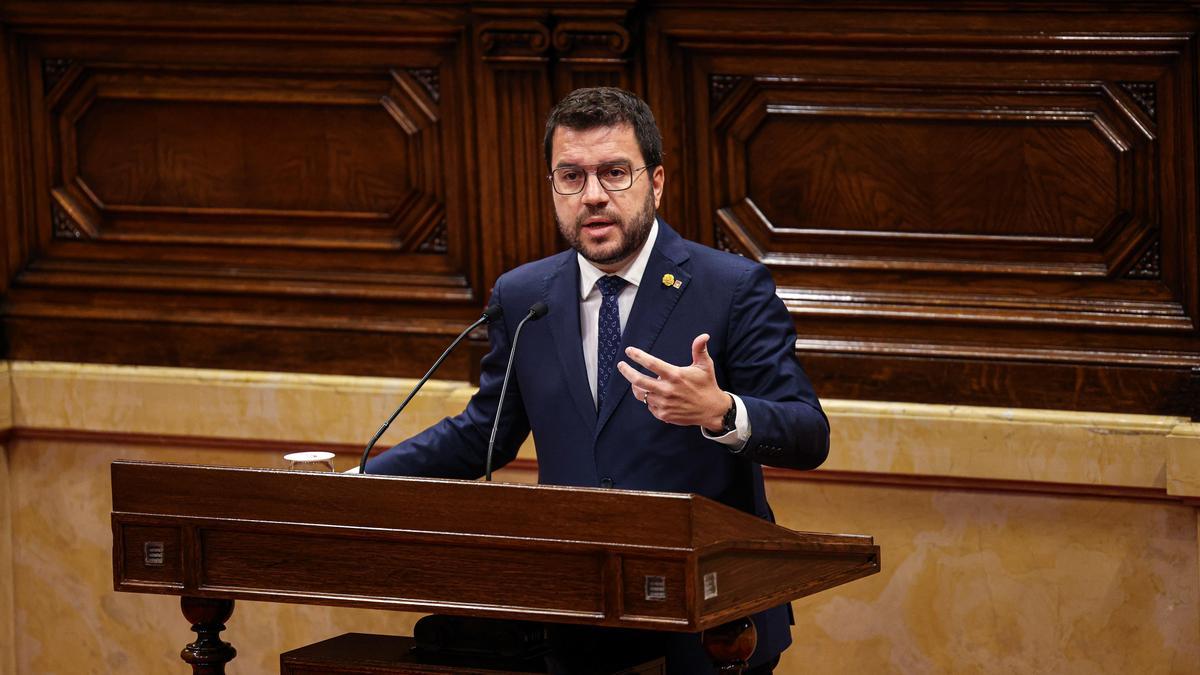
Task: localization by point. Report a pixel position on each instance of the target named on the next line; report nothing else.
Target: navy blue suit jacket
(752, 345)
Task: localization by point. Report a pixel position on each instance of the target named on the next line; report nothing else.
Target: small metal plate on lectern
(153, 553)
(656, 588)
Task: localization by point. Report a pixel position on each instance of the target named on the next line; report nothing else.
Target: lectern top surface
(452, 507)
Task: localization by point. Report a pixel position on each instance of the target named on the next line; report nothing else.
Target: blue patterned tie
(609, 334)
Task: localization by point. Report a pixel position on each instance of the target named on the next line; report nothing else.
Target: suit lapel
(655, 301)
(561, 294)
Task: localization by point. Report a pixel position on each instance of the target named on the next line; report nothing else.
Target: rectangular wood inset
(402, 571)
(654, 588)
(151, 555)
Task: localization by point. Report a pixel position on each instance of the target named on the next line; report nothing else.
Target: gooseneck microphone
(536, 311)
(489, 315)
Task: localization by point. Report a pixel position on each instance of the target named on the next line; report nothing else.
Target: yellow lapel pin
(669, 280)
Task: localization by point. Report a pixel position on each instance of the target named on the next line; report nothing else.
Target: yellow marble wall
(66, 616)
(978, 582)
(7, 636)
(1013, 541)
(69, 620)
(8, 662)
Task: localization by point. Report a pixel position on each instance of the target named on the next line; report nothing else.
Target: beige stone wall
(8, 656)
(1000, 583)
(8, 662)
(1013, 541)
(69, 620)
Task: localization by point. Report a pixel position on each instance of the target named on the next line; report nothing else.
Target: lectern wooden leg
(208, 654)
(730, 645)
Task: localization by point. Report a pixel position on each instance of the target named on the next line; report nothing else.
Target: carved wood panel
(812, 171)
(285, 194)
(324, 159)
(989, 202)
(527, 59)
(1006, 204)
(512, 67)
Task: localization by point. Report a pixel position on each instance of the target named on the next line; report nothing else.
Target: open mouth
(598, 226)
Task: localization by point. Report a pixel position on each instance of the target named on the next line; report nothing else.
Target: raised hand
(682, 395)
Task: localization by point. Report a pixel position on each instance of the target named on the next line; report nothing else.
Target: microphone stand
(490, 314)
(537, 311)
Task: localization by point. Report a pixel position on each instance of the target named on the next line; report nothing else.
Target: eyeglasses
(614, 177)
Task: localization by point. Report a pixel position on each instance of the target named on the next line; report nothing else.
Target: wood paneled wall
(981, 202)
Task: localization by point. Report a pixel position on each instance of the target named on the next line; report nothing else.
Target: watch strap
(729, 422)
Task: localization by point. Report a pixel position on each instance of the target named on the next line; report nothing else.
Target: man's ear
(657, 180)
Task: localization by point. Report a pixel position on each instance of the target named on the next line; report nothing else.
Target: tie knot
(610, 285)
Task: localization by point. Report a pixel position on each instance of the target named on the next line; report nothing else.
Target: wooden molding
(981, 203)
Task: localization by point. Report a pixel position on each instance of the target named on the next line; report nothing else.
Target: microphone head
(492, 313)
(538, 310)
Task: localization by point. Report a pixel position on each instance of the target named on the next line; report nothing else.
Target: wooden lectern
(648, 560)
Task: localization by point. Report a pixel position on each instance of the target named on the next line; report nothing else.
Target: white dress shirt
(589, 321)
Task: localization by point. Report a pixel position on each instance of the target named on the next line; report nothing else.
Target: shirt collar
(632, 273)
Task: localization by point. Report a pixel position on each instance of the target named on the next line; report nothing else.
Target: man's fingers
(649, 362)
(637, 379)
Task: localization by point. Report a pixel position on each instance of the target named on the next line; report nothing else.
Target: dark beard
(636, 234)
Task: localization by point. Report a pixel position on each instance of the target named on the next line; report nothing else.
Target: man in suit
(662, 364)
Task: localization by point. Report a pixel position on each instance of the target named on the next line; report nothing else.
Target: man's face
(607, 228)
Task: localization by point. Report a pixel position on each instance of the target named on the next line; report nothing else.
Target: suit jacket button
(606, 482)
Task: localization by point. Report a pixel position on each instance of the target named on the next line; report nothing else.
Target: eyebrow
(619, 160)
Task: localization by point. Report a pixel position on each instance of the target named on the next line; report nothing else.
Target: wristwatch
(729, 421)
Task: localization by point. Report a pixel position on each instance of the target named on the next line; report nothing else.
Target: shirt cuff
(736, 439)
(354, 470)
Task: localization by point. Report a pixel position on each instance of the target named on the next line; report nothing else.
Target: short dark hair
(592, 107)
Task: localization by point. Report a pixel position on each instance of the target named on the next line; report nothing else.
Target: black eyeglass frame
(594, 171)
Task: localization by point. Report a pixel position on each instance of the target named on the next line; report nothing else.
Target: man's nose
(593, 191)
